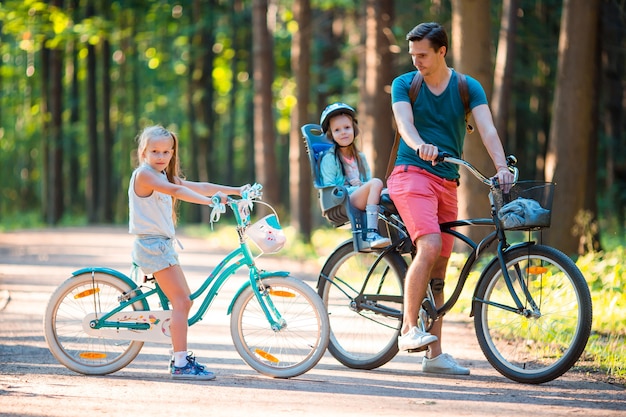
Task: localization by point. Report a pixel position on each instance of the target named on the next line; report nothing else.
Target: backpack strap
(414, 90)
(464, 92)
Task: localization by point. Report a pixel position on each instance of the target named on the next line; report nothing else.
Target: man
(425, 192)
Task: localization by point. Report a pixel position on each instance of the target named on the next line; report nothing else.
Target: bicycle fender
(117, 274)
(262, 274)
(108, 271)
(485, 269)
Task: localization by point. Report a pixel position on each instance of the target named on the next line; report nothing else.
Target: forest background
(237, 79)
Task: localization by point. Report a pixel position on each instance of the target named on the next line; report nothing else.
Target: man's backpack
(414, 90)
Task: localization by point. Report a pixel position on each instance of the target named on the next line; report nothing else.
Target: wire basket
(527, 205)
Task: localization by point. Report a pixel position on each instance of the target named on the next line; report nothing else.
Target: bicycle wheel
(298, 341)
(362, 292)
(543, 342)
(63, 324)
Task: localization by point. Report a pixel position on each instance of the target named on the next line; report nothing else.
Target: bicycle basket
(527, 205)
(267, 234)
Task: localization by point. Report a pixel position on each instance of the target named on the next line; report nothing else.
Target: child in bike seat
(344, 165)
(155, 187)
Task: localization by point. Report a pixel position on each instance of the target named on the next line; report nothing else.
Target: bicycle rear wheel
(362, 292)
(296, 344)
(63, 324)
(542, 343)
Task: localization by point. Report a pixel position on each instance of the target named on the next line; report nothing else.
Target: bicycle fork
(533, 311)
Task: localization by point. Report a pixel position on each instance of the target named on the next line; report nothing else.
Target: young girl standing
(344, 165)
(155, 187)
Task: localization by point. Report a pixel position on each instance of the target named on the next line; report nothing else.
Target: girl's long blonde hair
(172, 171)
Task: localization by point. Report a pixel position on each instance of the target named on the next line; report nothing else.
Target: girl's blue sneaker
(192, 370)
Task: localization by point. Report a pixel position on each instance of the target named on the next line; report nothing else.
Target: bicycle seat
(387, 203)
(334, 201)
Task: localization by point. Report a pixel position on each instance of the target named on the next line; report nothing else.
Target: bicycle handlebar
(511, 160)
(247, 197)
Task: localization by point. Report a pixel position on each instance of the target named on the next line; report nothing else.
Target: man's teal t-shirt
(440, 120)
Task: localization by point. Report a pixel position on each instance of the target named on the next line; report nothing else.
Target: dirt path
(33, 383)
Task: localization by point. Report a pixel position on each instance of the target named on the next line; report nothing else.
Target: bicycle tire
(361, 338)
(300, 342)
(63, 324)
(535, 349)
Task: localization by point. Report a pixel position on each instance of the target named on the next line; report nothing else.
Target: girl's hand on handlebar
(243, 189)
(428, 152)
(219, 197)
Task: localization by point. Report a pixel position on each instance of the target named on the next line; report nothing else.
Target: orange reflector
(92, 355)
(266, 355)
(536, 270)
(280, 293)
(86, 293)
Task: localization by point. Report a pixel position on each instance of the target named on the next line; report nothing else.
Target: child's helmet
(333, 110)
(267, 234)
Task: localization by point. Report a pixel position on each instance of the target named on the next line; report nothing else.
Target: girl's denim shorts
(154, 253)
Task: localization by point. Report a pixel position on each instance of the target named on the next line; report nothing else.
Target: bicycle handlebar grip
(441, 156)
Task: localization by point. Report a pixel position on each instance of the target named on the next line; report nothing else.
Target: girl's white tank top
(150, 215)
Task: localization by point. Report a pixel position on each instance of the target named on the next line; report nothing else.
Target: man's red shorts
(424, 201)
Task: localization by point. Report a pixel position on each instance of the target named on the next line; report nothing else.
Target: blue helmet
(333, 110)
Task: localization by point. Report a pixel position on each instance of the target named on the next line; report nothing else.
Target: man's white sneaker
(443, 364)
(415, 339)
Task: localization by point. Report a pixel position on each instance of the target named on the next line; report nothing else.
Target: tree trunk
(503, 77)
(107, 172)
(375, 115)
(201, 101)
(299, 172)
(612, 33)
(93, 169)
(264, 130)
(571, 132)
(55, 173)
(471, 48)
(55, 195)
(236, 20)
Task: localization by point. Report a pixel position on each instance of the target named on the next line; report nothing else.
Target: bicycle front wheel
(297, 340)
(362, 292)
(543, 341)
(67, 340)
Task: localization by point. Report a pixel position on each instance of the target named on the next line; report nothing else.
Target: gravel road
(33, 383)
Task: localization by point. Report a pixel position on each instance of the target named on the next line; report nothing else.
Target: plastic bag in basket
(267, 234)
(523, 212)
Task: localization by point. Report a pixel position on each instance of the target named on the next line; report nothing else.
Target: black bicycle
(531, 305)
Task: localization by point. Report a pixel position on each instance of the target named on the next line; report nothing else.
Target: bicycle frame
(235, 260)
(477, 250)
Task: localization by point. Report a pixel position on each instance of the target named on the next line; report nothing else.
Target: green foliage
(606, 275)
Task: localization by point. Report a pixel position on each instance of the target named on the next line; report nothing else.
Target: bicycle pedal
(419, 349)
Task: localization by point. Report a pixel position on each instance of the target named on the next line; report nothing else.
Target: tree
(264, 129)
(299, 173)
(375, 114)
(571, 131)
(200, 96)
(93, 169)
(503, 77)
(471, 50)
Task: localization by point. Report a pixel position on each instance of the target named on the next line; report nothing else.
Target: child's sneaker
(376, 241)
(192, 370)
